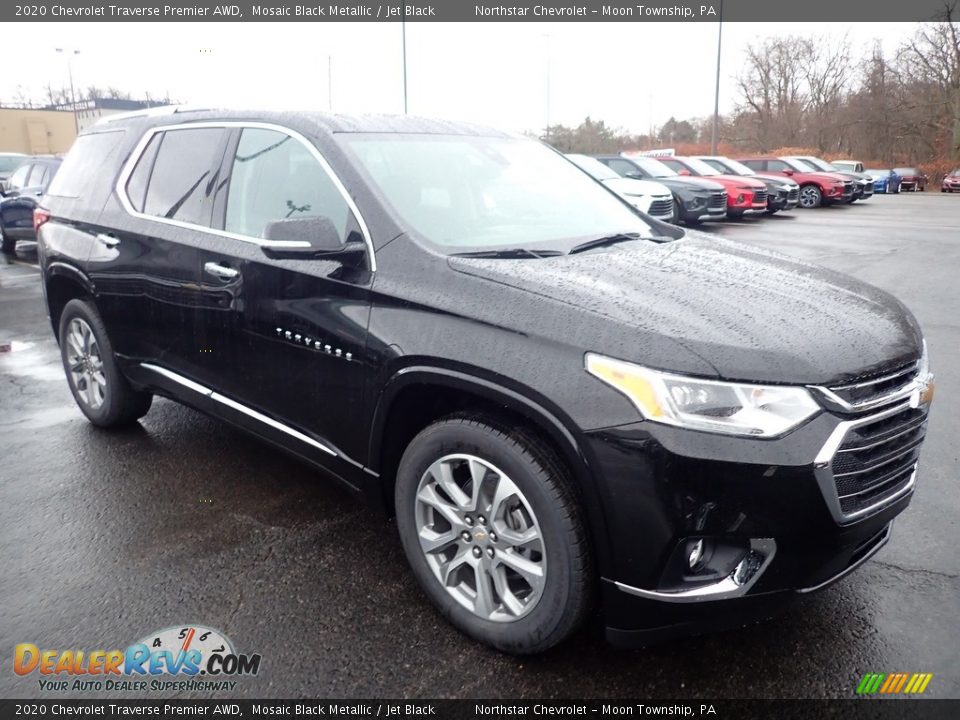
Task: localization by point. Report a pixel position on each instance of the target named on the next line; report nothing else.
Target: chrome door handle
(221, 271)
(109, 240)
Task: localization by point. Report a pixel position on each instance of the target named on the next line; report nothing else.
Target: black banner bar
(853, 709)
(474, 11)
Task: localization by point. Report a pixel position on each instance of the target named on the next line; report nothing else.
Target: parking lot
(109, 536)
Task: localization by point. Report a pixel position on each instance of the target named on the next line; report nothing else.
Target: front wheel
(810, 196)
(492, 532)
(96, 382)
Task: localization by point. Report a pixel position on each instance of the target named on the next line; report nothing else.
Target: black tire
(568, 589)
(8, 246)
(121, 404)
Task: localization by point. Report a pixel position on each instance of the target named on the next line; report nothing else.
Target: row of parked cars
(707, 187)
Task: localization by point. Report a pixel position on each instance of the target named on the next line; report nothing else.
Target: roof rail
(158, 111)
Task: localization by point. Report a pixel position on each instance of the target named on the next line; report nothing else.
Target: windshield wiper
(509, 253)
(605, 240)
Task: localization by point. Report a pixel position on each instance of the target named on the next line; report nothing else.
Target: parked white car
(653, 198)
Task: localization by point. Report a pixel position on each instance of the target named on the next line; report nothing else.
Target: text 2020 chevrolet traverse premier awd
(566, 404)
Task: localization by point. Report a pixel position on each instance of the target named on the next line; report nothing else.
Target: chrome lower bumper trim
(736, 584)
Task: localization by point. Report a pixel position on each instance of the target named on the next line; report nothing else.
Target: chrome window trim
(224, 400)
(121, 184)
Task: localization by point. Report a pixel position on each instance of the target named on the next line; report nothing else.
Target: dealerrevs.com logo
(189, 657)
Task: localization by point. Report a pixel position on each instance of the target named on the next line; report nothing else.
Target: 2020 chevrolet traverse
(565, 403)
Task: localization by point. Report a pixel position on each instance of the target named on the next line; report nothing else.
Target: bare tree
(825, 71)
(773, 99)
(931, 61)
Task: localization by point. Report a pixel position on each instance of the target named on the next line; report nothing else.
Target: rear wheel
(810, 196)
(7, 244)
(492, 532)
(98, 387)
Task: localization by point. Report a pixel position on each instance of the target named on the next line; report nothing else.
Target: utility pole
(73, 98)
(403, 30)
(716, 90)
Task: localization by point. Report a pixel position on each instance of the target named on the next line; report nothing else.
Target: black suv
(565, 403)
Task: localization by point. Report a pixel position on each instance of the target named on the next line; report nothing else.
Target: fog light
(695, 554)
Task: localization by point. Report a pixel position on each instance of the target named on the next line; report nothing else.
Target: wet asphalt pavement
(107, 536)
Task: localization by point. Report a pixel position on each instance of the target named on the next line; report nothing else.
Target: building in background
(35, 131)
(51, 130)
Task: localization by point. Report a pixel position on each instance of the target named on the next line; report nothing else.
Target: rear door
(145, 266)
(17, 209)
(286, 337)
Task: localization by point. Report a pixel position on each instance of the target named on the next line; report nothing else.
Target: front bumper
(774, 499)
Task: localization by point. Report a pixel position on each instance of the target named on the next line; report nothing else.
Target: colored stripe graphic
(894, 683)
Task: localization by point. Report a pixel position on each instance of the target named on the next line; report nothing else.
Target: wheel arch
(62, 283)
(417, 395)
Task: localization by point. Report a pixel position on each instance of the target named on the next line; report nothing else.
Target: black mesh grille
(661, 208)
(760, 196)
(876, 460)
(793, 194)
(718, 200)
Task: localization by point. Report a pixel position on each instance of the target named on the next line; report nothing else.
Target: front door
(286, 338)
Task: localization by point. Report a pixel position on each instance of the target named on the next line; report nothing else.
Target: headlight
(708, 405)
(695, 202)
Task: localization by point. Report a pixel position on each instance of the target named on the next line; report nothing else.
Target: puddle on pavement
(43, 418)
(23, 361)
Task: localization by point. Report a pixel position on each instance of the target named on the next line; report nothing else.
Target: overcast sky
(631, 75)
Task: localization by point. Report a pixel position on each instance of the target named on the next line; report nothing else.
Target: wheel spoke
(518, 538)
(478, 473)
(484, 605)
(510, 601)
(530, 571)
(449, 569)
(428, 495)
(442, 472)
(505, 490)
(432, 541)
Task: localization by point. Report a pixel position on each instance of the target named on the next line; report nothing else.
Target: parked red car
(743, 193)
(816, 187)
(911, 179)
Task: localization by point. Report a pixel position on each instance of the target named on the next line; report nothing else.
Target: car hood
(740, 181)
(751, 314)
(777, 180)
(630, 186)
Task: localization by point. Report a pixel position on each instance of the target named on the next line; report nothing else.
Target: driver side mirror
(788, 172)
(311, 237)
(684, 172)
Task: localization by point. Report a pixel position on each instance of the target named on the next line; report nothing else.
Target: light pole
(716, 90)
(547, 130)
(73, 98)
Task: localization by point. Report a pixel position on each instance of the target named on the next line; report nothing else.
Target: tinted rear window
(83, 164)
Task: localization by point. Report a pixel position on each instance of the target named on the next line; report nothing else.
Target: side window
(19, 177)
(717, 165)
(754, 164)
(275, 177)
(86, 164)
(777, 165)
(674, 165)
(182, 174)
(38, 176)
(140, 177)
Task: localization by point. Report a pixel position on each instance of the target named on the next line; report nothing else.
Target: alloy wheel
(809, 197)
(480, 537)
(85, 364)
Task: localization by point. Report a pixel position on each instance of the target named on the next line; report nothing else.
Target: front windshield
(820, 164)
(652, 167)
(799, 165)
(594, 167)
(906, 171)
(877, 171)
(462, 192)
(700, 167)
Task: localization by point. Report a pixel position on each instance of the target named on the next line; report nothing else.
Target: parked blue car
(884, 180)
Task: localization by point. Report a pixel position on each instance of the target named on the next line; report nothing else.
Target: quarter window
(182, 175)
(19, 177)
(140, 177)
(275, 177)
(38, 176)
